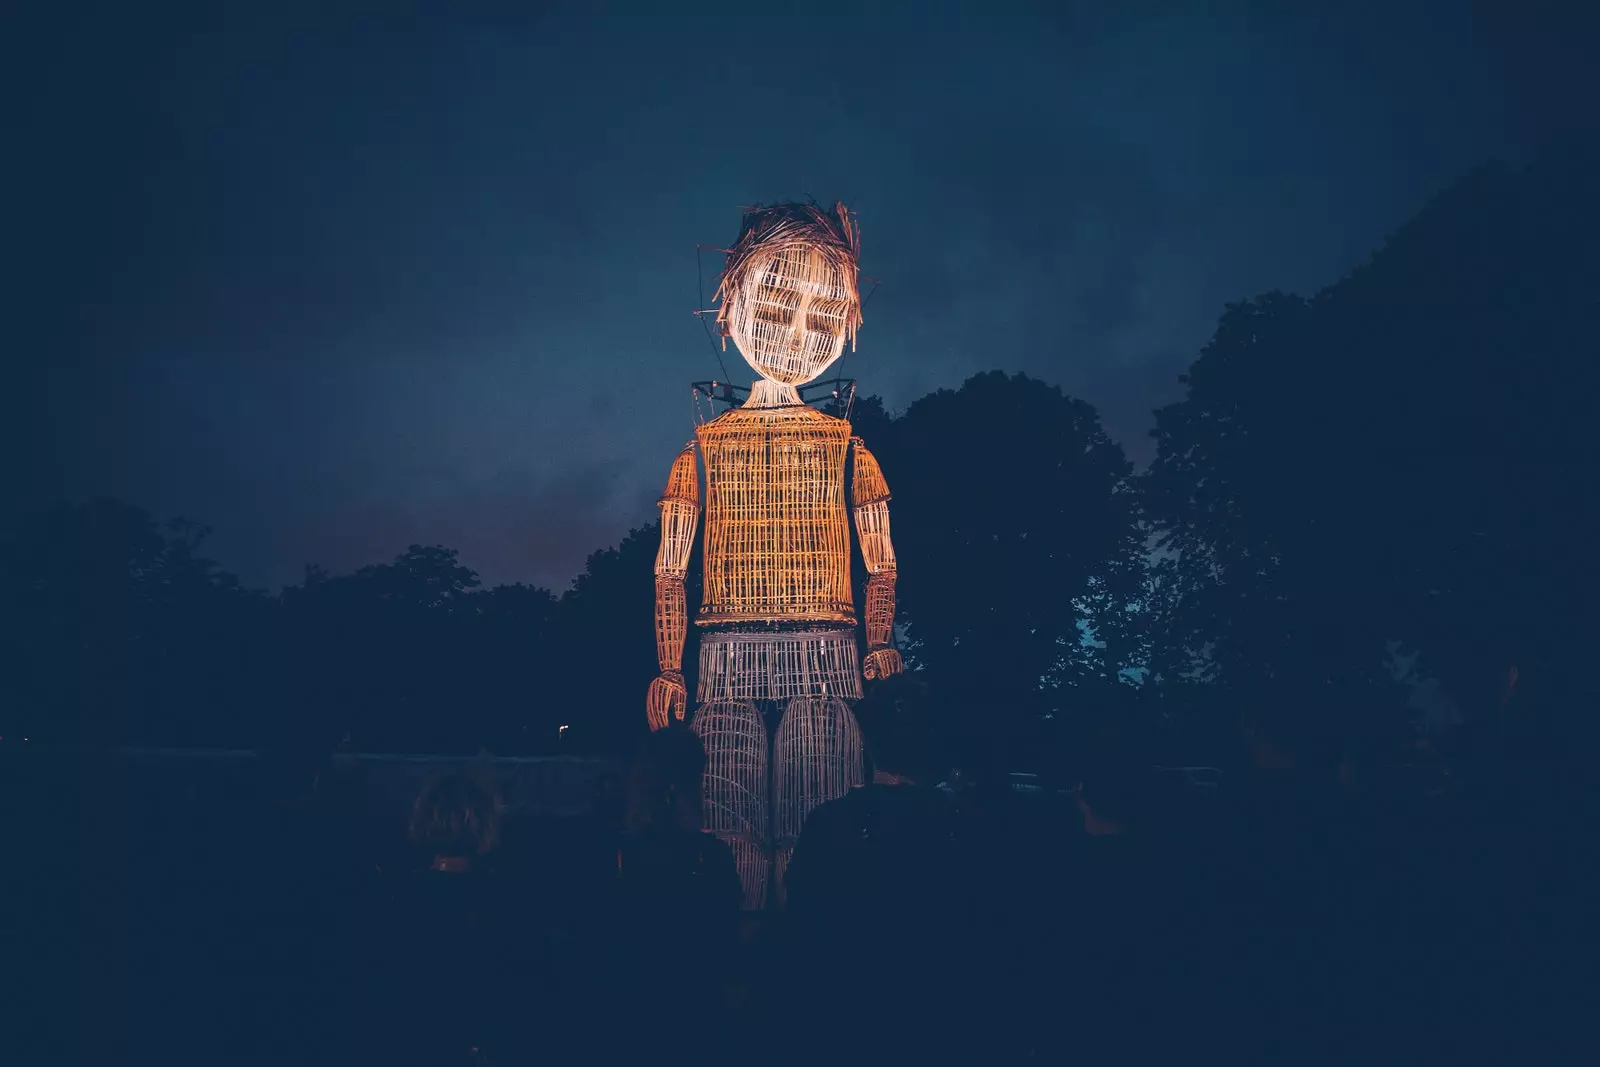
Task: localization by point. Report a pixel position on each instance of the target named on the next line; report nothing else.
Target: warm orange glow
(880, 609)
(777, 547)
(667, 700)
(672, 622)
(680, 513)
(867, 484)
(870, 494)
(881, 663)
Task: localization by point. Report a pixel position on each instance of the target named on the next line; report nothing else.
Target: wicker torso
(777, 539)
(777, 607)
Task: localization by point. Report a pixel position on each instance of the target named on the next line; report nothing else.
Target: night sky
(335, 287)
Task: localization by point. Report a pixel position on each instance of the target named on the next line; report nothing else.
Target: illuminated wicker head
(789, 294)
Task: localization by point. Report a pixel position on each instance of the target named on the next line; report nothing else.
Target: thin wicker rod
(778, 665)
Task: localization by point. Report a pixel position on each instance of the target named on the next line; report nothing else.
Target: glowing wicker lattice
(777, 665)
(680, 513)
(777, 543)
(881, 663)
(790, 296)
(870, 495)
(867, 485)
(816, 757)
(736, 788)
(672, 622)
(667, 700)
(880, 610)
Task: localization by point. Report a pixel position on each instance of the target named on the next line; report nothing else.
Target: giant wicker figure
(779, 634)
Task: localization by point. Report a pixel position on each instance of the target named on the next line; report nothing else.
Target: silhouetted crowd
(1295, 913)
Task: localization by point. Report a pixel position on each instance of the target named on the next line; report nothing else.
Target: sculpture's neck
(765, 393)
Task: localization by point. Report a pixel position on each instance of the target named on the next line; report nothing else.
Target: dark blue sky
(338, 285)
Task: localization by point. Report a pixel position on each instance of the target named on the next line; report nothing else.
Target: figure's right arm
(680, 515)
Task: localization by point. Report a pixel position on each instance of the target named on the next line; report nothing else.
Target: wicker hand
(668, 699)
(881, 663)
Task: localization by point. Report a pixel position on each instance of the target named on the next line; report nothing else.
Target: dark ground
(182, 909)
(224, 910)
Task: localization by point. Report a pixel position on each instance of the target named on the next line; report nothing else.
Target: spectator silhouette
(878, 903)
(1017, 873)
(1119, 926)
(287, 886)
(675, 921)
(456, 820)
(458, 969)
(1283, 894)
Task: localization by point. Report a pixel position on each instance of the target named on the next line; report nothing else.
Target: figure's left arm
(870, 498)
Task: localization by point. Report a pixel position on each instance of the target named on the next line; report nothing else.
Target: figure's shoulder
(796, 419)
(870, 486)
(683, 480)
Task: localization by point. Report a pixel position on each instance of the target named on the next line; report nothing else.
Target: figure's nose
(797, 325)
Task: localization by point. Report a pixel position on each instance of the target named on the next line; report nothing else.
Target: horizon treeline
(1399, 468)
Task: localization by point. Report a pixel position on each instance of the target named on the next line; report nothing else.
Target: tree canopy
(1403, 458)
(1014, 528)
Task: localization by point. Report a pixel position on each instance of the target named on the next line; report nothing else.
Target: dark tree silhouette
(1406, 457)
(120, 630)
(1014, 528)
(609, 636)
(1478, 446)
(380, 655)
(516, 648)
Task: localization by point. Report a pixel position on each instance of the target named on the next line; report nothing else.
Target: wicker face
(792, 314)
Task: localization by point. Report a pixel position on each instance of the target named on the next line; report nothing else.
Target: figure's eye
(773, 314)
(827, 316)
(774, 304)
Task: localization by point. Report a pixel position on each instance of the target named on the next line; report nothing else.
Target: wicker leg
(736, 788)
